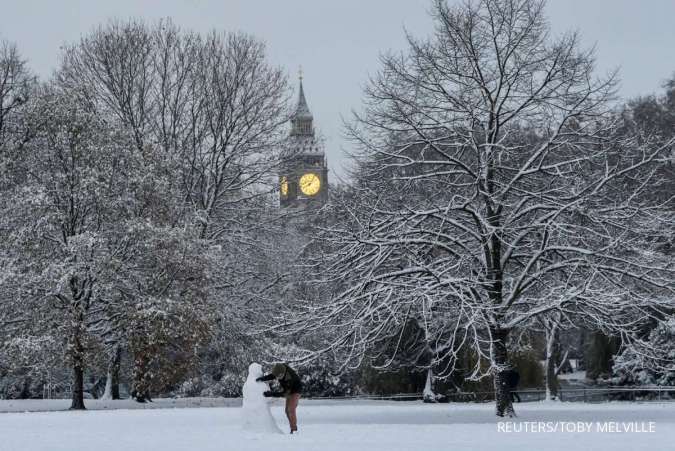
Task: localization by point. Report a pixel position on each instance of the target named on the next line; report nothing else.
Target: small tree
(554, 357)
(165, 338)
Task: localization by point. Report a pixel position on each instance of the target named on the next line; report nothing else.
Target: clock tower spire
(303, 179)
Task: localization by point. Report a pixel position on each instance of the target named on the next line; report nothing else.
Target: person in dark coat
(512, 378)
(291, 387)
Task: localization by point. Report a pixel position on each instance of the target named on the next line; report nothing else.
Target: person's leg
(292, 404)
(515, 396)
(288, 410)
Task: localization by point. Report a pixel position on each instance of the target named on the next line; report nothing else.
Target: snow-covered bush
(651, 362)
(26, 364)
(228, 386)
(318, 380)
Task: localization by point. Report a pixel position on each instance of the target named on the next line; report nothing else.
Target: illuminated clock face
(310, 184)
(284, 186)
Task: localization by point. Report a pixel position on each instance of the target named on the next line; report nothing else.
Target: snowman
(256, 410)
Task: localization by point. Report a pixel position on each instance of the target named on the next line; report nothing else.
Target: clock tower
(303, 178)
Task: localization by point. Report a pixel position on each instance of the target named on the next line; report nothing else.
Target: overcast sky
(337, 42)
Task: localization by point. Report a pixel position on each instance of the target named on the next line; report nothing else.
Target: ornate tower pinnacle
(302, 119)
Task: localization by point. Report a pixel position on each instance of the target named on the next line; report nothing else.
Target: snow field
(336, 425)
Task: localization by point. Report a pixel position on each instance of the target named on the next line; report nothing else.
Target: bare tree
(524, 209)
(16, 84)
(244, 117)
(212, 105)
(111, 68)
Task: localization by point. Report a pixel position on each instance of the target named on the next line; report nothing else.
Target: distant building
(303, 176)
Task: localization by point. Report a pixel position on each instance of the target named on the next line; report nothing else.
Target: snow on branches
(495, 185)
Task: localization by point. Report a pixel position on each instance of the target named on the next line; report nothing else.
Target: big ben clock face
(310, 184)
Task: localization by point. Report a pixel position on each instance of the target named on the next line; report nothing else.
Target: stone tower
(303, 178)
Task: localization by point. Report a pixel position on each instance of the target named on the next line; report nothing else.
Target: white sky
(337, 42)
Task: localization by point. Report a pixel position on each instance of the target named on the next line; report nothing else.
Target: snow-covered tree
(16, 87)
(28, 362)
(527, 212)
(17, 84)
(554, 358)
(206, 115)
(57, 242)
(650, 361)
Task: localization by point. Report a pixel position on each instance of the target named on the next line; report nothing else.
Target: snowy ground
(47, 405)
(335, 425)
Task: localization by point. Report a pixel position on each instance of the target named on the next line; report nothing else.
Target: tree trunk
(116, 373)
(504, 406)
(81, 293)
(112, 383)
(107, 391)
(428, 394)
(25, 389)
(78, 377)
(140, 390)
(551, 376)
